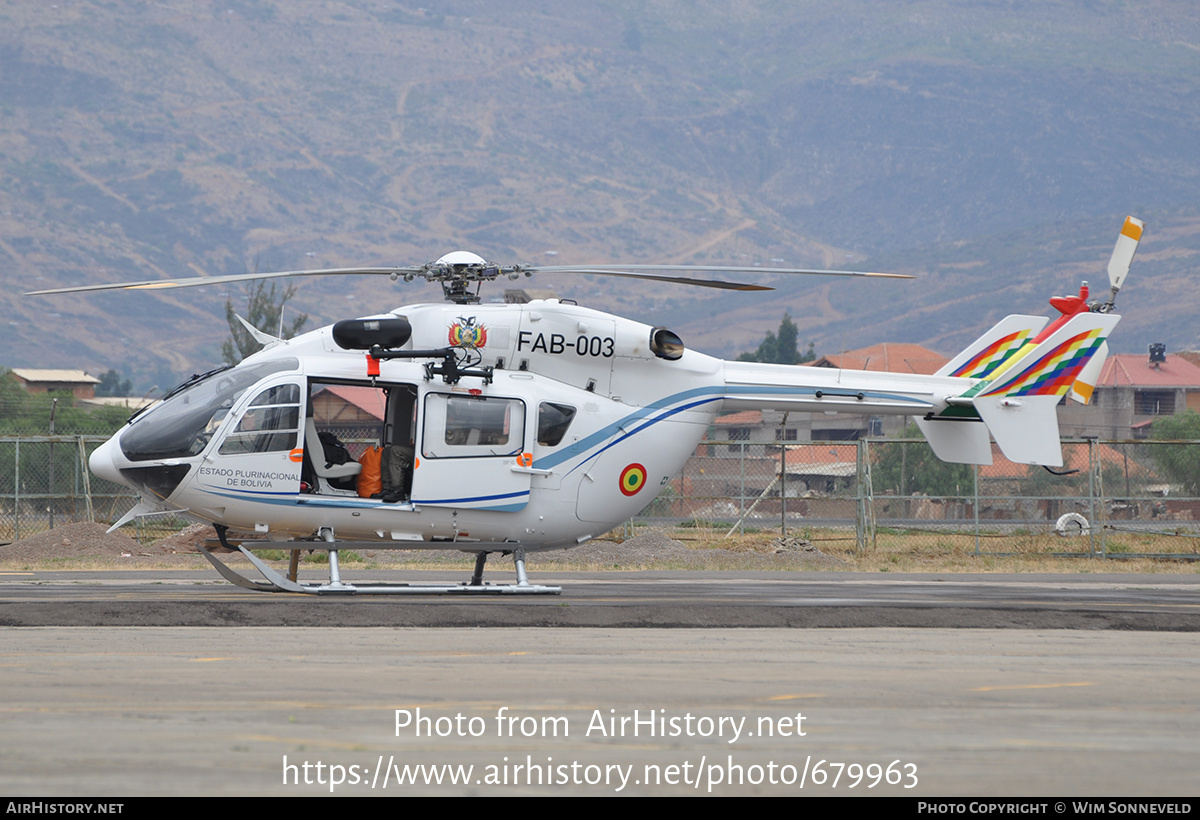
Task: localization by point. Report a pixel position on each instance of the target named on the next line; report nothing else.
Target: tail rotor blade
(1122, 258)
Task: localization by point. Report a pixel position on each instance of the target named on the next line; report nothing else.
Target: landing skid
(336, 586)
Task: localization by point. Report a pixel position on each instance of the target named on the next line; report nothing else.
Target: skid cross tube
(276, 582)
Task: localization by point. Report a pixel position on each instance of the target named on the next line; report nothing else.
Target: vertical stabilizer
(989, 351)
(1018, 407)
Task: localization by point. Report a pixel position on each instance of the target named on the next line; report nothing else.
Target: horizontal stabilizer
(959, 442)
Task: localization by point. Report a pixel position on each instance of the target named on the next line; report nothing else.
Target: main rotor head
(458, 269)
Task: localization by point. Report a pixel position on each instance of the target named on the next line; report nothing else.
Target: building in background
(76, 382)
(1134, 390)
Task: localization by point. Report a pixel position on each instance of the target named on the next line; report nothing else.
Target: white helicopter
(512, 428)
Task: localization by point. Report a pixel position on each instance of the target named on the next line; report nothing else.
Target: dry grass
(929, 551)
(677, 549)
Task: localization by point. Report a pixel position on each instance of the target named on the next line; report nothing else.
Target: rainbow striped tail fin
(1018, 406)
(987, 353)
(1017, 397)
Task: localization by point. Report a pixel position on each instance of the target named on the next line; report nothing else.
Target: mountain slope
(993, 149)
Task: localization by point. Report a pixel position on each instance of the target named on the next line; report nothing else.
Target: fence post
(87, 479)
(864, 523)
(742, 492)
(783, 491)
(975, 503)
(1092, 495)
(1102, 512)
(860, 524)
(50, 482)
(17, 492)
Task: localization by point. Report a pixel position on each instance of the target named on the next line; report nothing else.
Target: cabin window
(270, 424)
(553, 422)
(463, 426)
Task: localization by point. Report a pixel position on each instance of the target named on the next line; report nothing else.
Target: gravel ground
(82, 539)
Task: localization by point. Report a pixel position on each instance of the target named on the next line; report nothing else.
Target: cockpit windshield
(186, 421)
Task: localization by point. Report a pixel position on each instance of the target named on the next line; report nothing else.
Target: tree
(780, 349)
(112, 385)
(913, 468)
(1178, 462)
(264, 311)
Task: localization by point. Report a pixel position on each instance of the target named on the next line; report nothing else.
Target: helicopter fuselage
(582, 420)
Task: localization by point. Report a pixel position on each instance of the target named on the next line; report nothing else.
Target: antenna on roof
(1158, 354)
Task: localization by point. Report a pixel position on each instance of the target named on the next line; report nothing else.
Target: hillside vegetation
(992, 148)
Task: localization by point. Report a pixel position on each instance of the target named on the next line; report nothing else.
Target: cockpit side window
(280, 394)
(271, 423)
(186, 421)
(553, 422)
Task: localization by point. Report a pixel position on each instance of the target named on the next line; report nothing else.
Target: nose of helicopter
(101, 462)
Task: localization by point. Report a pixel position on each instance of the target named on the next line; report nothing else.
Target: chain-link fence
(1110, 498)
(1136, 498)
(741, 487)
(45, 482)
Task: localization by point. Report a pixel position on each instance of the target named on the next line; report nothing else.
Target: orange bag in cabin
(370, 480)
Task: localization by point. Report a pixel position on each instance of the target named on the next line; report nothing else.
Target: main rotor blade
(683, 280)
(488, 273)
(197, 281)
(618, 270)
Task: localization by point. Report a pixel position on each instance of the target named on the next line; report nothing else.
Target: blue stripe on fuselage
(709, 394)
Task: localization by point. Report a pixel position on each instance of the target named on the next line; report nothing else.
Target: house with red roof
(889, 357)
(1133, 390)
